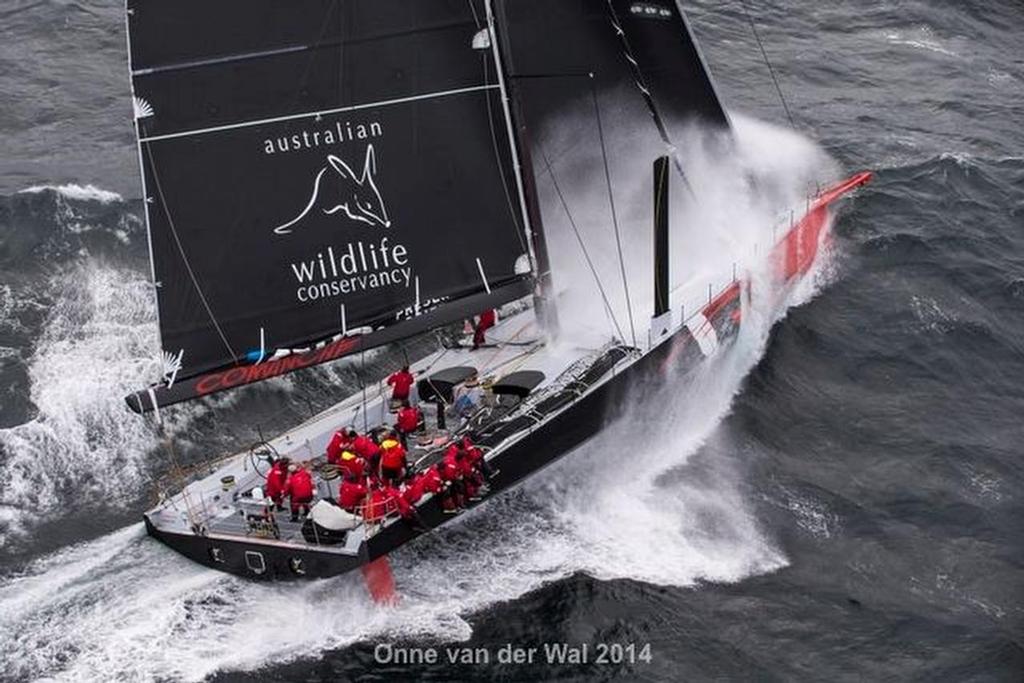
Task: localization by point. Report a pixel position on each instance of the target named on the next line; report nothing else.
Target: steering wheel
(262, 453)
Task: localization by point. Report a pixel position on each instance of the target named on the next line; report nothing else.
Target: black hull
(676, 355)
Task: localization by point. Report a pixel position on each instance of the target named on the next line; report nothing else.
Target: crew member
(367, 449)
(392, 460)
(351, 493)
(277, 477)
(408, 421)
(341, 441)
(471, 478)
(476, 457)
(451, 475)
(427, 481)
(483, 323)
(351, 464)
(382, 502)
(401, 382)
(299, 488)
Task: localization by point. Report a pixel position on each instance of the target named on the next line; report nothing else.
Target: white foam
(81, 448)
(77, 192)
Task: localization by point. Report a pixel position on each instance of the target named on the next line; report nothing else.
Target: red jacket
(276, 479)
(383, 502)
(393, 458)
(365, 447)
(401, 381)
(449, 468)
(473, 454)
(486, 320)
(299, 485)
(408, 419)
(351, 495)
(430, 480)
(352, 464)
(338, 443)
(465, 465)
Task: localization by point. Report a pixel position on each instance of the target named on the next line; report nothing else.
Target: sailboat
(325, 177)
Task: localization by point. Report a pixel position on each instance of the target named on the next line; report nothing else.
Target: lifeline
(341, 132)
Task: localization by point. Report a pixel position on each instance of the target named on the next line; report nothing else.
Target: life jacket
(351, 464)
(338, 443)
(408, 420)
(299, 485)
(365, 447)
(277, 477)
(392, 455)
(402, 382)
(351, 495)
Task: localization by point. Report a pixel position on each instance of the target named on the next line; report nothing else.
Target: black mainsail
(346, 167)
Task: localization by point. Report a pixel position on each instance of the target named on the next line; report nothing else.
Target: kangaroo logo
(337, 188)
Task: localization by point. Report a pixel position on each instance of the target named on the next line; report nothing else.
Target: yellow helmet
(389, 443)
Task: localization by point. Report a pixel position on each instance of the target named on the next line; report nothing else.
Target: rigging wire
(768, 63)
(583, 247)
(611, 202)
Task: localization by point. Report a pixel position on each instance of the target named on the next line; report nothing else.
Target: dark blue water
(855, 511)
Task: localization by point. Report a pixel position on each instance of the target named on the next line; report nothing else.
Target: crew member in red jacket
(277, 477)
(383, 502)
(408, 421)
(480, 327)
(401, 382)
(351, 494)
(340, 442)
(367, 449)
(351, 464)
(427, 481)
(476, 458)
(392, 460)
(471, 478)
(299, 488)
(451, 475)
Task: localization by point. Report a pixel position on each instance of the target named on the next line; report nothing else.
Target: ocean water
(840, 496)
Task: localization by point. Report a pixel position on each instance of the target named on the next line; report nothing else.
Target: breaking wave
(82, 193)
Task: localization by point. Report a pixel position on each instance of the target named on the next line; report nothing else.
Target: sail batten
(318, 113)
(306, 157)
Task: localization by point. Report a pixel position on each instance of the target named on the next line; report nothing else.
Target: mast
(526, 184)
